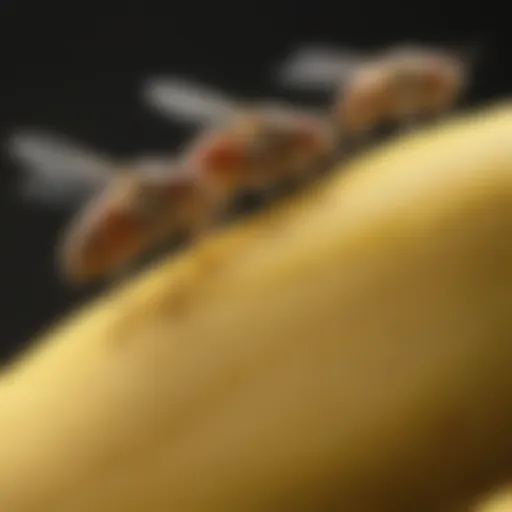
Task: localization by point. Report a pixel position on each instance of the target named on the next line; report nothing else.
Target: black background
(76, 68)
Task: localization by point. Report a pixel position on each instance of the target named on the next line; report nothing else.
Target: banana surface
(349, 349)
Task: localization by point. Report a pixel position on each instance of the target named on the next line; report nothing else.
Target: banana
(349, 349)
(498, 501)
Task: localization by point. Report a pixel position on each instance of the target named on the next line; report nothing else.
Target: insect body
(128, 208)
(132, 215)
(131, 208)
(258, 156)
(399, 85)
(246, 146)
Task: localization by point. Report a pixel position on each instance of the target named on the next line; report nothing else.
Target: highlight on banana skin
(266, 149)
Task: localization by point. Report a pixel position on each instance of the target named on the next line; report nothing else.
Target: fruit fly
(246, 145)
(129, 208)
(399, 85)
(133, 215)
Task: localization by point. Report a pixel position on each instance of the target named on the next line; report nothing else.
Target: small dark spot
(248, 202)
(176, 302)
(384, 132)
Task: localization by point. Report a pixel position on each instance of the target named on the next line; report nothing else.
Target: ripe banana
(349, 349)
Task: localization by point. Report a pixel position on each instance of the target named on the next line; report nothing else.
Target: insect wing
(155, 167)
(316, 67)
(187, 101)
(56, 170)
(280, 110)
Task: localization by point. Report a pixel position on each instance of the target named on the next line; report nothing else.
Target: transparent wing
(468, 54)
(187, 101)
(318, 67)
(153, 163)
(466, 50)
(156, 167)
(38, 190)
(282, 109)
(56, 170)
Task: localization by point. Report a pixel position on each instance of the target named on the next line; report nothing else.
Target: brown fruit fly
(246, 145)
(128, 208)
(399, 85)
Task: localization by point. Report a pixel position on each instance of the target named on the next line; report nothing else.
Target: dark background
(76, 68)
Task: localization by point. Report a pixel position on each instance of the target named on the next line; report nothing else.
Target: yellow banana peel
(349, 349)
(498, 502)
